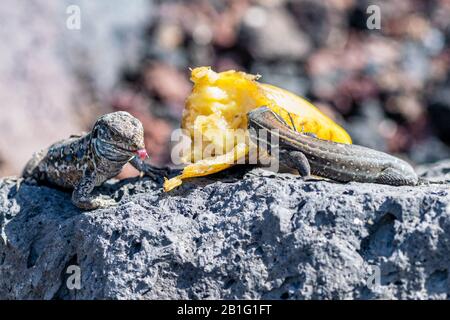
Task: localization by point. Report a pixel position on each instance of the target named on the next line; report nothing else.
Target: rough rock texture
(244, 233)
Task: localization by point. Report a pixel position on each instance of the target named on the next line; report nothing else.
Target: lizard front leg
(82, 197)
(154, 173)
(297, 160)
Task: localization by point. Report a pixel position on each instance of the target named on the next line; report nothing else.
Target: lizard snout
(142, 154)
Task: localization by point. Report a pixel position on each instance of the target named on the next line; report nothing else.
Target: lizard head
(119, 136)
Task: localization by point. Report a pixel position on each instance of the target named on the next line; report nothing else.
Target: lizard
(83, 162)
(337, 161)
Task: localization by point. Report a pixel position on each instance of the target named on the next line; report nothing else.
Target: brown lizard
(336, 161)
(84, 162)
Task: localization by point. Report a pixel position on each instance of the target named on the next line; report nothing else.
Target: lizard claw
(146, 169)
(107, 202)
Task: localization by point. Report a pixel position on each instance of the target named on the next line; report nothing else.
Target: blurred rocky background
(389, 88)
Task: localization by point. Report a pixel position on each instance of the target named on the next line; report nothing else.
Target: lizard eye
(114, 135)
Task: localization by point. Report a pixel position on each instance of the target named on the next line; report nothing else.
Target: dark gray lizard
(336, 161)
(84, 162)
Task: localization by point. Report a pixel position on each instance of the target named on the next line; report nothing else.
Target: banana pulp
(215, 120)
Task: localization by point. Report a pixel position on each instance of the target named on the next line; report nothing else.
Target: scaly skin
(84, 162)
(337, 161)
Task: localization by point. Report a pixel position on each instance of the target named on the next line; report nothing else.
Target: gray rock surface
(244, 233)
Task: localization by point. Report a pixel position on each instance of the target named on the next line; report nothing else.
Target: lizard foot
(93, 203)
(156, 174)
(315, 178)
(106, 202)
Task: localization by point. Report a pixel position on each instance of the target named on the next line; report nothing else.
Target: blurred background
(390, 88)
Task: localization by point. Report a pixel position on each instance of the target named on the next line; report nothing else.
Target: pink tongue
(142, 153)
